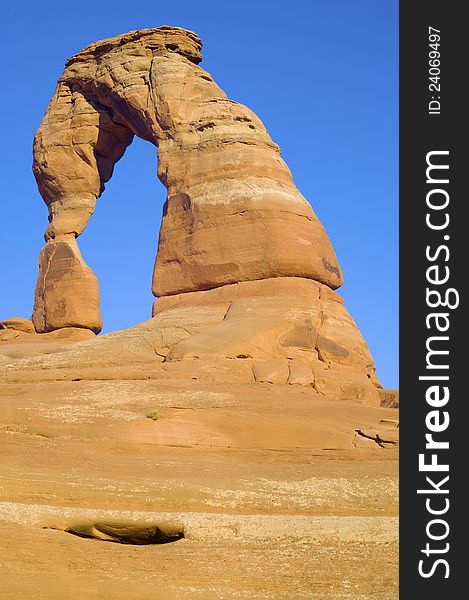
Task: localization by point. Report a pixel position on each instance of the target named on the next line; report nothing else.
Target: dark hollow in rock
(135, 533)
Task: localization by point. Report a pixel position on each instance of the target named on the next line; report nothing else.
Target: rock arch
(232, 213)
(245, 273)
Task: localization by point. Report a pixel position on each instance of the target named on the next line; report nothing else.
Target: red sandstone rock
(244, 271)
(232, 213)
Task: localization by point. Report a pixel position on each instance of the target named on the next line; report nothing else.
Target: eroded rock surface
(279, 331)
(67, 293)
(17, 324)
(260, 479)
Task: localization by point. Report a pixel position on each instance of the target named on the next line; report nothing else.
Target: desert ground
(276, 494)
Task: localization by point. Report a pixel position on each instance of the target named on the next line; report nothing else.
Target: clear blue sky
(321, 74)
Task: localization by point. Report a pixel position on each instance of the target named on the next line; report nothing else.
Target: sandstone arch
(232, 212)
(245, 273)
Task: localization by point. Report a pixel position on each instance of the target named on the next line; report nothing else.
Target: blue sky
(321, 74)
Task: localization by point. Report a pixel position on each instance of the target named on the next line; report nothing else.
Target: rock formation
(17, 324)
(244, 270)
(241, 424)
(232, 213)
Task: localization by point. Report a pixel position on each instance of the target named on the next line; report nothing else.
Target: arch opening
(120, 241)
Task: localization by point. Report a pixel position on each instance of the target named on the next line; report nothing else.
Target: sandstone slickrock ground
(277, 495)
(281, 492)
(245, 419)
